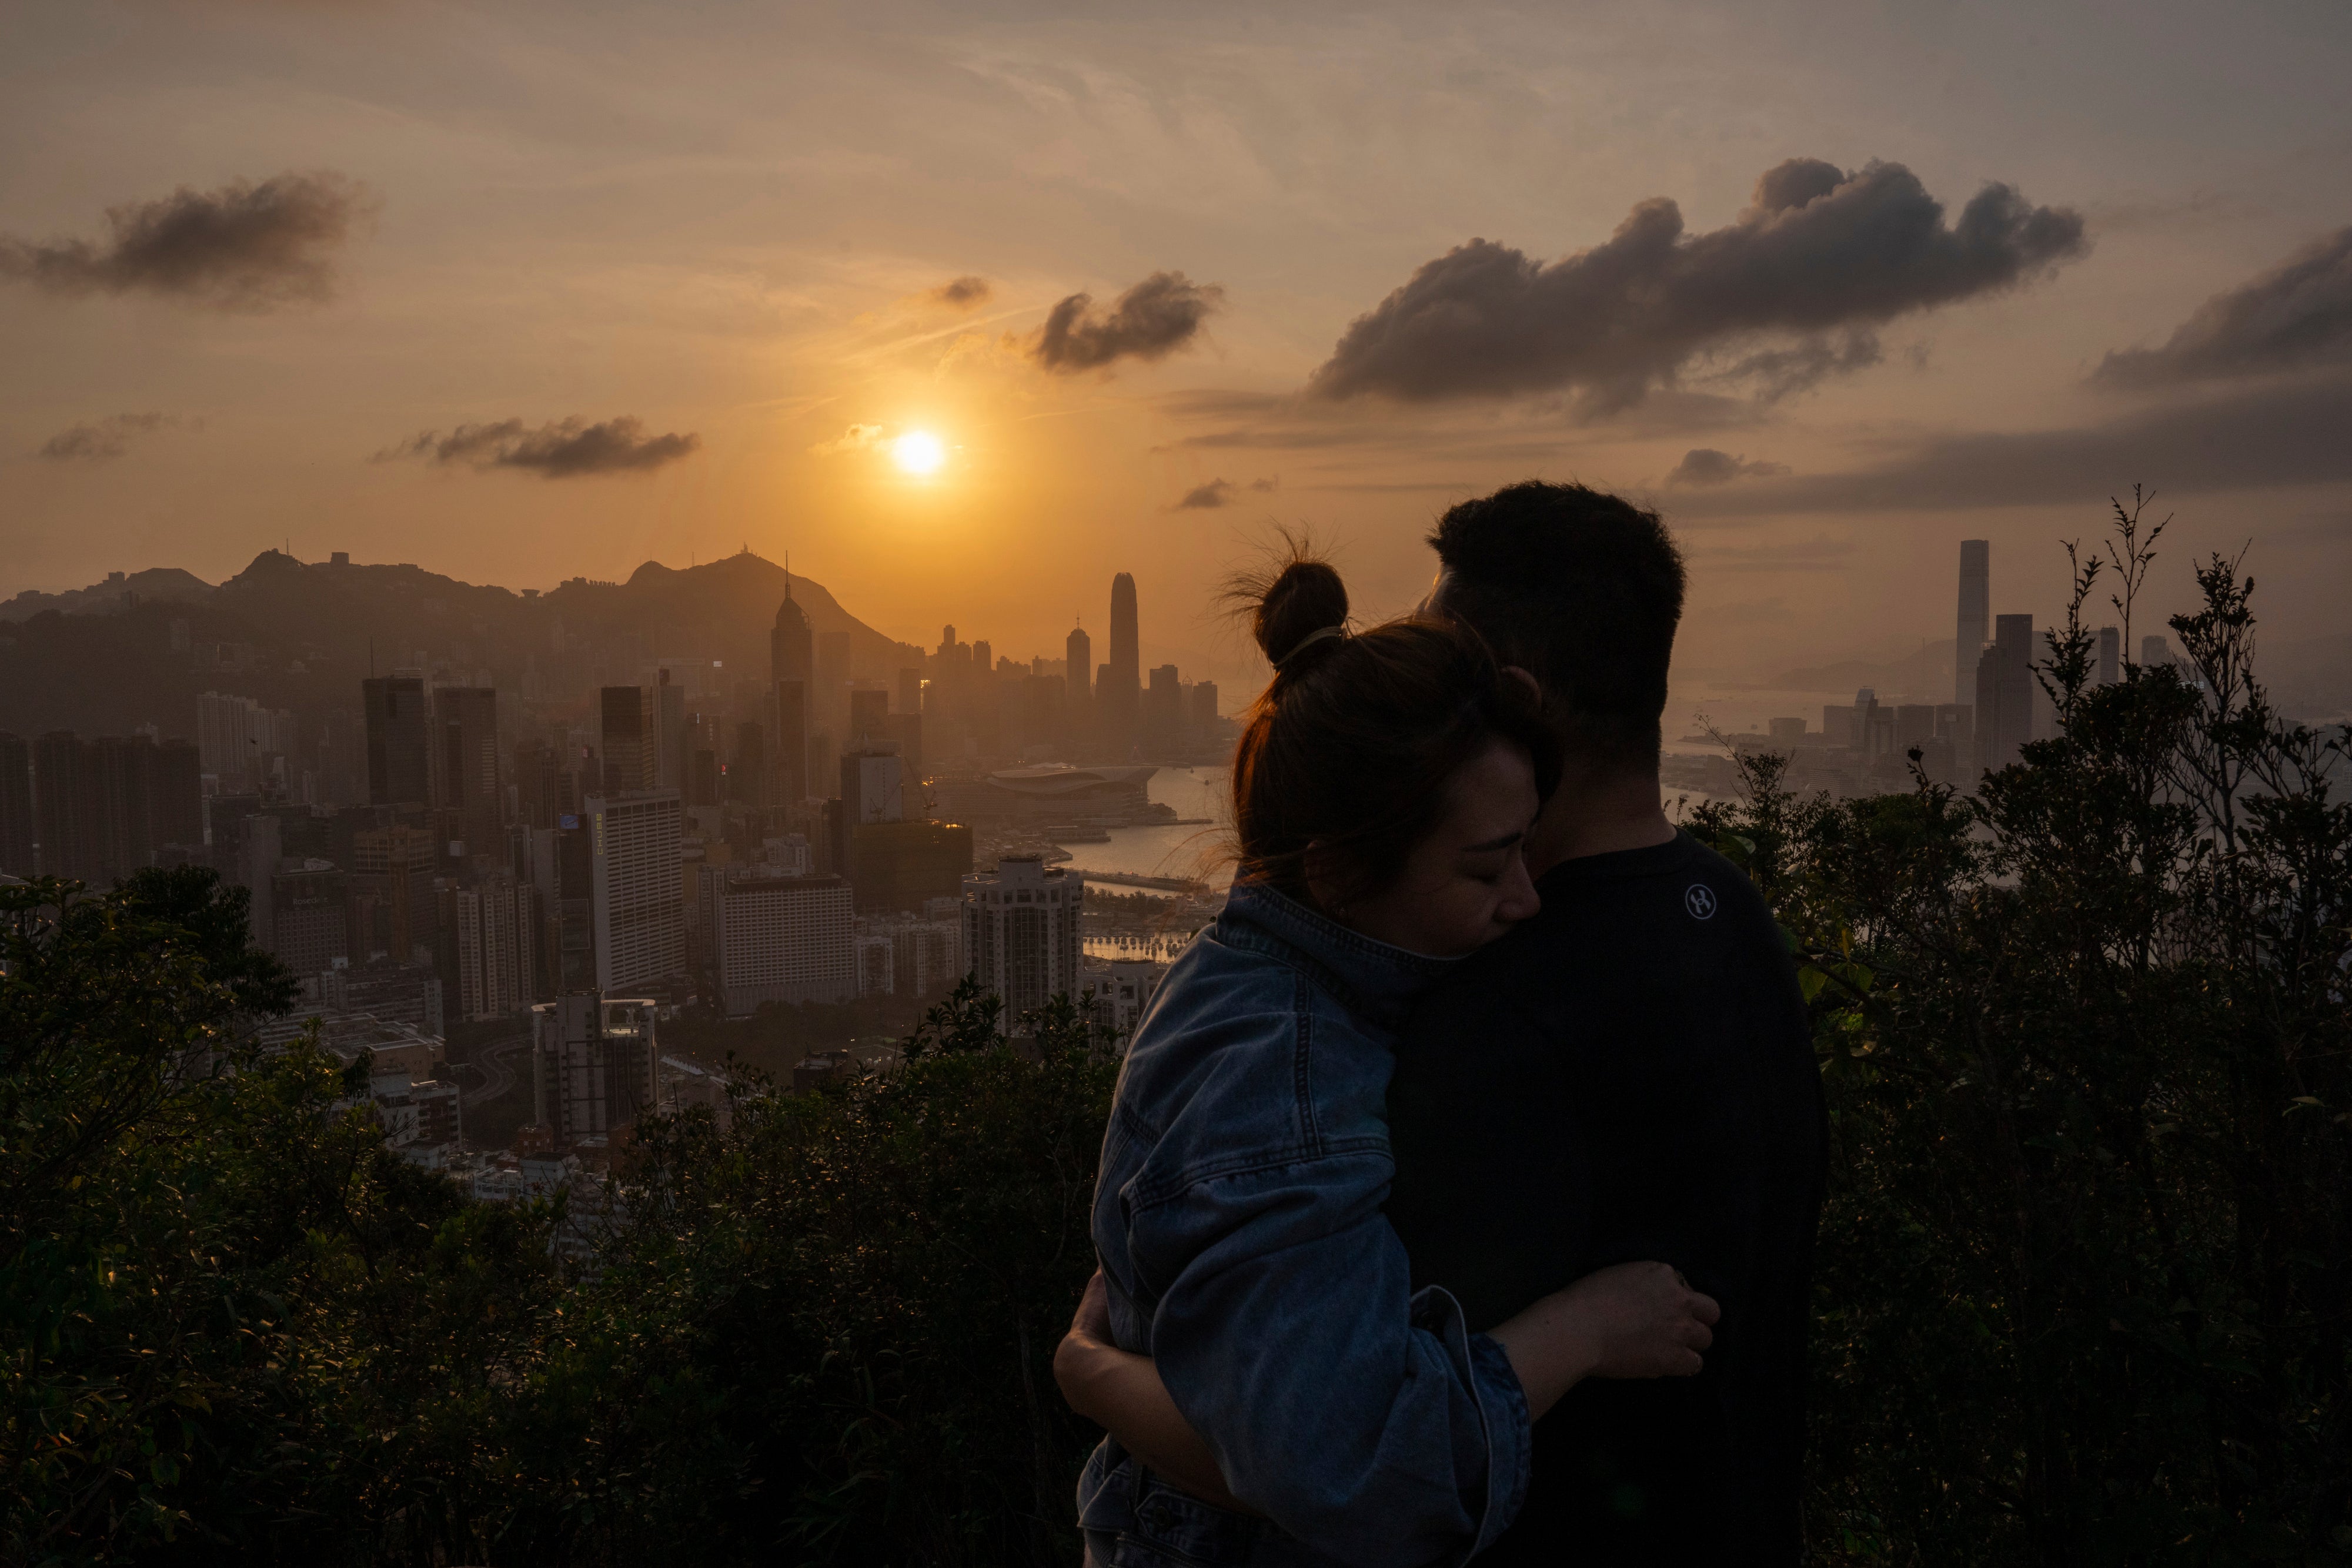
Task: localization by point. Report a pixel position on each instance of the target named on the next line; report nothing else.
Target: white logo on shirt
(1699, 899)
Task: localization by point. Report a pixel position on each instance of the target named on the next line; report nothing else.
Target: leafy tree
(2086, 1265)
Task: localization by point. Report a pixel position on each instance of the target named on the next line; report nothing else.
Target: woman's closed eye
(1489, 861)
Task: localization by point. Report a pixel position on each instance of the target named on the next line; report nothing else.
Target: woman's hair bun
(1304, 598)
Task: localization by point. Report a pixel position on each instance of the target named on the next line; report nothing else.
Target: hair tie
(1309, 641)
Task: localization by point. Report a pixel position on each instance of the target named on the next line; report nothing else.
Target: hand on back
(1644, 1320)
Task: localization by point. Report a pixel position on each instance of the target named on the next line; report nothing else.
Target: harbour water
(1193, 848)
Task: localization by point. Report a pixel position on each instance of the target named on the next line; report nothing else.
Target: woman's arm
(1636, 1320)
(1121, 1393)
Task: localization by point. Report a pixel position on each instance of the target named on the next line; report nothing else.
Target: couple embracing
(1460, 1190)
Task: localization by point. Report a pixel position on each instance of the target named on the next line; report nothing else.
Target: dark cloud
(1706, 465)
(2266, 436)
(242, 247)
(1207, 498)
(563, 449)
(2297, 314)
(1818, 255)
(964, 293)
(1149, 321)
(1265, 487)
(103, 441)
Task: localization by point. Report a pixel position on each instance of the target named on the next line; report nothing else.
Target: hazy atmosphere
(525, 292)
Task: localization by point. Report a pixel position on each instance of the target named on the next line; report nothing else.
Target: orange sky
(731, 222)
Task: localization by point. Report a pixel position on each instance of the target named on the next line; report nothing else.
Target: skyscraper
(399, 754)
(791, 785)
(774, 937)
(2004, 692)
(1078, 670)
(668, 715)
(466, 754)
(1976, 604)
(626, 737)
(595, 1065)
(494, 948)
(1020, 932)
(1123, 691)
(2110, 653)
(16, 807)
(637, 890)
(868, 711)
(792, 645)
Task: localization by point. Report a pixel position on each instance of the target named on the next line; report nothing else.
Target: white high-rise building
(775, 937)
(1021, 933)
(637, 889)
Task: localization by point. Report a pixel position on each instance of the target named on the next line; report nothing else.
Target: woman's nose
(1519, 899)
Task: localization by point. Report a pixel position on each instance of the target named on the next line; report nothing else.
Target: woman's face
(1466, 883)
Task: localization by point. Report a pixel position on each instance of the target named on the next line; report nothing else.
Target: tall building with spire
(791, 667)
(1122, 689)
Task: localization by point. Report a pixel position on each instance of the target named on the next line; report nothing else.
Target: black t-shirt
(1630, 1075)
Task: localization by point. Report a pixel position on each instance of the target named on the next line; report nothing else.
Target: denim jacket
(1237, 1217)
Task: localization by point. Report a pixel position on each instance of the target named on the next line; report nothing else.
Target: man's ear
(1520, 672)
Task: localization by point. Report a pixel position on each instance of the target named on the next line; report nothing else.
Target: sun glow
(919, 451)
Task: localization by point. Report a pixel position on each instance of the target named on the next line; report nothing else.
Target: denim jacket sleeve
(1373, 1425)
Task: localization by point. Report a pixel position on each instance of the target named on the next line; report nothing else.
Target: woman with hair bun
(1276, 1393)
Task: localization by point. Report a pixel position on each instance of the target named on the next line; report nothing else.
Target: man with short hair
(1627, 1075)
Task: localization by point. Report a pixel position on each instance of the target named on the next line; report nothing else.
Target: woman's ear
(1535, 687)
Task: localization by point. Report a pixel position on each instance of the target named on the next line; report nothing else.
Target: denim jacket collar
(1366, 976)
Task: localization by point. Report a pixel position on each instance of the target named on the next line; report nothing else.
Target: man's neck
(1599, 814)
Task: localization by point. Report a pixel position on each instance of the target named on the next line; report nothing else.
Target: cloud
(962, 293)
(1818, 254)
(103, 441)
(1265, 487)
(2295, 315)
(1149, 321)
(563, 449)
(1706, 465)
(1207, 498)
(2266, 436)
(242, 247)
(856, 438)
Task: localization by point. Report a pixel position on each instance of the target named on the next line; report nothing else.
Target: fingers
(1092, 1319)
(1705, 1308)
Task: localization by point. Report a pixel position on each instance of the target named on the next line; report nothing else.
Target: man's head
(1583, 590)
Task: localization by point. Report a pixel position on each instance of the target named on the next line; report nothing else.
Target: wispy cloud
(856, 438)
(245, 247)
(105, 440)
(562, 449)
(1819, 256)
(2265, 436)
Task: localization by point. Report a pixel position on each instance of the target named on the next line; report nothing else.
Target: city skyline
(968, 313)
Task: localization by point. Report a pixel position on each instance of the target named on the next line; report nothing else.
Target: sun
(919, 451)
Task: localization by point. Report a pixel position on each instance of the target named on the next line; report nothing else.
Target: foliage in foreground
(2086, 1281)
(237, 1329)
